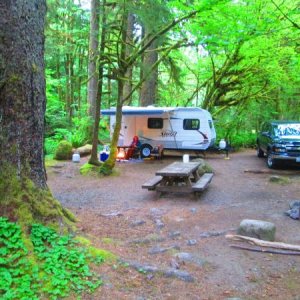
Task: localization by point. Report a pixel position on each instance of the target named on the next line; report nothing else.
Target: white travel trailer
(178, 128)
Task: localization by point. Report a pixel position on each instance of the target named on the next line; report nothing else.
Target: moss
(63, 151)
(22, 201)
(106, 255)
(105, 170)
(50, 162)
(35, 68)
(88, 169)
(280, 179)
(96, 252)
(83, 241)
(204, 167)
(14, 78)
(108, 240)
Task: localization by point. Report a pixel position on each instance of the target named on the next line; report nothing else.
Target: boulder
(63, 151)
(294, 211)
(258, 229)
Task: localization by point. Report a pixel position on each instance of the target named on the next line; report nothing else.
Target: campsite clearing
(182, 240)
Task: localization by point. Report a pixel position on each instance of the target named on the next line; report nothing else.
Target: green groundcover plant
(45, 265)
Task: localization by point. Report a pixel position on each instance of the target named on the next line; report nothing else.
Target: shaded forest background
(238, 59)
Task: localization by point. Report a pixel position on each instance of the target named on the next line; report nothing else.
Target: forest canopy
(235, 58)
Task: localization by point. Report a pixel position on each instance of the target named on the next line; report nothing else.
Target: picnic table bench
(179, 177)
(152, 183)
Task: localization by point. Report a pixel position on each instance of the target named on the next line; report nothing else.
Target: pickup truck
(280, 142)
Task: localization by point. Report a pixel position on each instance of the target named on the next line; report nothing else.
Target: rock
(113, 214)
(193, 210)
(159, 224)
(191, 258)
(212, 233)
(258, 229)
(182, 275)
(204, 167)
(151, 238)
(174, 264)
(191, 242)
(174, 234)
(158, 250)
(138, 223)
(295, 204)
(279, 179)
(294, 213)
(156, 212)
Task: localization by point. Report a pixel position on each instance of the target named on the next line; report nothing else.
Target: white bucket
(222, 144)
(76, 158)
(186, 158)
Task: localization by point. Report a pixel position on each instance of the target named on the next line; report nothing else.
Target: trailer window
(191, 124)
(155, 123)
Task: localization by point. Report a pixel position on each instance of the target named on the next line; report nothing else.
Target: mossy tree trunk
(22, 110)
(94, 159)
(22, 90)
(148, 90)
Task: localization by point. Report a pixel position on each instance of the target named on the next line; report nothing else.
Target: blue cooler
(104, 156)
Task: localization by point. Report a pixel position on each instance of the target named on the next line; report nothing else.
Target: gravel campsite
(173, 246)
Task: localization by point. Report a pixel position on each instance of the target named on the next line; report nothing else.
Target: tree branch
(286, 16)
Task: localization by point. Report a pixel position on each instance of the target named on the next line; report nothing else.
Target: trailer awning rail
(126, 110)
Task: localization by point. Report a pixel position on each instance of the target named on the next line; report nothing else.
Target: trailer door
(128, 129)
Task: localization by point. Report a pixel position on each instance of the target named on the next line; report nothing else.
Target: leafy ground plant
(56, 268)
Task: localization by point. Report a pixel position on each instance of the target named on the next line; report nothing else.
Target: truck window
(155, 123)
(191, 124)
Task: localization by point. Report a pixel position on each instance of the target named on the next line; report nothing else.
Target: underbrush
(237, 140)
(44, 264)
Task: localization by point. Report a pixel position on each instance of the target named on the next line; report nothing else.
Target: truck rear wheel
(259, 152)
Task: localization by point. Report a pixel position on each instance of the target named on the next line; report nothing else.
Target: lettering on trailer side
(168, 133)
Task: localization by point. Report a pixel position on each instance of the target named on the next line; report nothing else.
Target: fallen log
(264, 171)
(257, 249)
(263, 243)
(273, 172)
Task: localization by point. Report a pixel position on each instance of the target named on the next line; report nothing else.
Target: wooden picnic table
(179, 177)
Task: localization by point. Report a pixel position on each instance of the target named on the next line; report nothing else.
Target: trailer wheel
(146, 150)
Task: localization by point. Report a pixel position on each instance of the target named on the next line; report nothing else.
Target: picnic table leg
(196, 175)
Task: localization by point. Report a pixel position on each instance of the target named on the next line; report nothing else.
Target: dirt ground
(181, 238)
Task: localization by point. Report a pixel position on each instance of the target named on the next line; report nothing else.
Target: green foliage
(77, 135)
(81, 131)
(241, 54)
(56, 268)
(63, 151)
(243, 140)
(18, 275)
(88, 169)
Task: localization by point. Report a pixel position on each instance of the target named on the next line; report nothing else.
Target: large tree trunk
(22, 90)
(129, 48)
(93, 57)
(148, 91)
(23, 189)
(94, 159)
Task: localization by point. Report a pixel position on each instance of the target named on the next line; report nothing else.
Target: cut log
(264, 171)
(274, 172)
(263, 243)
(258, 249)
(84, 150)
